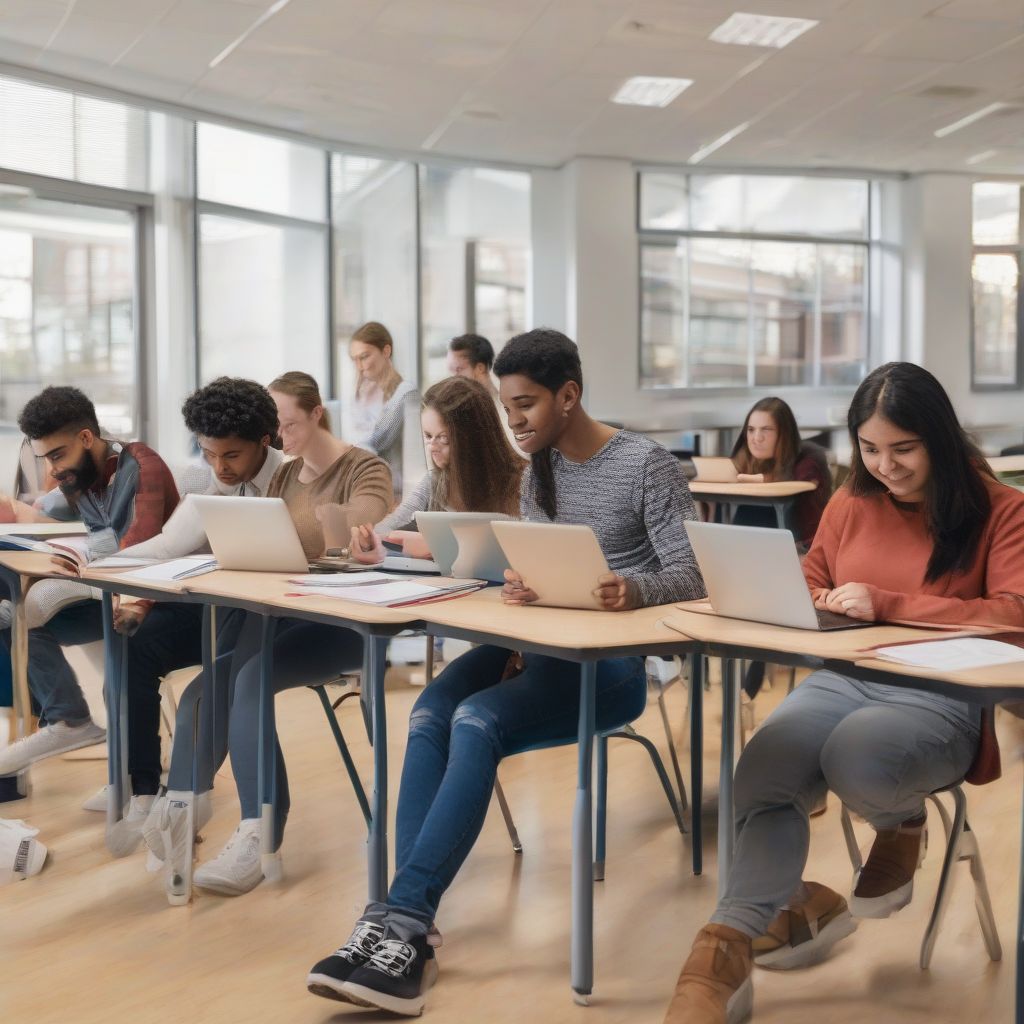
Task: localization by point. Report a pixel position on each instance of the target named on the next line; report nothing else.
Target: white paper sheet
(341, 579)
(953, 655)
(176, 569)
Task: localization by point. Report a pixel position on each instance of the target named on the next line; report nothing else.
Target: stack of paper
(395, 592)
(952, 655)
(175, 569)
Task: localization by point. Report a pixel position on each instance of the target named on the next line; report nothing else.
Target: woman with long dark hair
(769, 449)
(488, 703)
(473, 468)
(921, 531)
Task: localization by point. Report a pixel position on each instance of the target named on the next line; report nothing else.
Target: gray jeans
(880, 749)
(305, 654)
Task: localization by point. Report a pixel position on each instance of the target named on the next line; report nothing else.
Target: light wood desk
(42, 530)
(1006, 463)
(584, 637)
(779, 495)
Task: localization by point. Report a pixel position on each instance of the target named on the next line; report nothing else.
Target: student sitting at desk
(235, 423)
(631, 492)
(323, 470)
(921, 531)
(474, 469)
(124, 494)
(769, 449)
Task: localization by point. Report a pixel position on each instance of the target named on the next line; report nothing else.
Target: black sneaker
(327, 977)
(396, 977)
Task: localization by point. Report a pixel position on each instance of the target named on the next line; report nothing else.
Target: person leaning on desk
(921, 531)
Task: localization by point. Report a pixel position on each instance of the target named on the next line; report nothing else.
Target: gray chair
(961, 845)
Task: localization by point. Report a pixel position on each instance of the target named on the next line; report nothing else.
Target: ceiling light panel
(647, 91)
(742, 29)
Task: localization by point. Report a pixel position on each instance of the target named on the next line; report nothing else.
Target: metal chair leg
(942, 896)
(982, 901)
(672, 753)
(428, 669)
(346, 756)
(627, 732)
(851, 841)
(601, 807)
(513, 832)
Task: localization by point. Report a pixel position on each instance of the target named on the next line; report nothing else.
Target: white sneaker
(124, 836)
(237, 868)
(98, 801)
(48, 741)
(165, 831)
(21, 854)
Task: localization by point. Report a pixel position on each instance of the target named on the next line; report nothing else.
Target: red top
(885, 545)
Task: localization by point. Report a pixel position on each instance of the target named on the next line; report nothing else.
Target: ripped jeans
(461, 726)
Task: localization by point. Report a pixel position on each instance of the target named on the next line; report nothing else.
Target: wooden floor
(92, 939)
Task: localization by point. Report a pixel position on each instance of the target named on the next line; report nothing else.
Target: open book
(74, 550)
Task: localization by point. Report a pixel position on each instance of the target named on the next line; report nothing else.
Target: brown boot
(805, 930)
(714, 986)
(885, 883)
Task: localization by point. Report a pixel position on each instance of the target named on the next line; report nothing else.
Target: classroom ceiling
(529, 81)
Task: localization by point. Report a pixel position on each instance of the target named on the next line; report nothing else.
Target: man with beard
(124, 494)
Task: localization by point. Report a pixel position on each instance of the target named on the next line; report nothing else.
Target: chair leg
(428, 669)
(942, 896)
(346, 756)
(672, 753)
(168, 708)
(506, 813)
(601, 807)
(982, 902)
(792, 679)
(851, 841)
(627, 732)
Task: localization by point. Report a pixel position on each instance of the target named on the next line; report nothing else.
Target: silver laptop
(754, 573)
(252, 534)
(560, 563)
(463, 544)
(714, 470)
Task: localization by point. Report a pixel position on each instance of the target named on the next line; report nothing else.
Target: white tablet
(714, 470)
(463, 544)
(560, 563)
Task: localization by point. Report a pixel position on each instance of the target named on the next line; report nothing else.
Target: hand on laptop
(616, 593)
(366, 547)
(515, 591)
(853, 599)
(413, 544)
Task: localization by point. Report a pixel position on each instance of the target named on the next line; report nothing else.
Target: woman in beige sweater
(323, 470)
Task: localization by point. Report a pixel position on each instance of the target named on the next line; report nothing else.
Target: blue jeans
(51, 679)
(461, 726)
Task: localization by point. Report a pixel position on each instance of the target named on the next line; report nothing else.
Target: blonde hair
(377, 335)
(305, 390)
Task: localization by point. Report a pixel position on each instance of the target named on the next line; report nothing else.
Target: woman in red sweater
(769, 448)
(921, 531)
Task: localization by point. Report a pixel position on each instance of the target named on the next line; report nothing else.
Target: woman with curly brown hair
(473, 468)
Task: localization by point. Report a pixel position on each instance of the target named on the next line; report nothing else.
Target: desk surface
(42, 529)
(781, 489)
(561, 628)
(29, 563)
(1007, 463)
(1009, 676)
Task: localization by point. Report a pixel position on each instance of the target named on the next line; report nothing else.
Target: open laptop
(252, 534)
(754, 573)
(714, 470)
(464, 545)
(560, 563)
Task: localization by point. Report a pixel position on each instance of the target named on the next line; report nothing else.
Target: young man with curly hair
(235, 424)
(124, 494)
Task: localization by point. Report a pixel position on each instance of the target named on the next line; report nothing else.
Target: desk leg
(726, 810)
(1018, 1014)
(781, 508)
(374, 668)
(19, 675)
(697, 760)
(267, 748)
(583, 843)
(117, 708)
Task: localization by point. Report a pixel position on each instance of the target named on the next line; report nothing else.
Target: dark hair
(55, 409)
(483, 471)
(231, 407)
(957, 502)
(549, 358)
(306, 392)
(476, 346)
(787, 447)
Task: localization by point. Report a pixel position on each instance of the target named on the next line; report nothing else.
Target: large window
(998, 307)
(67, 305)
(262, 256)
(752, 281)
(475, 258)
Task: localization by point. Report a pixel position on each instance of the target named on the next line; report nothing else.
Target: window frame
(1000, 249)
(656, 236)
